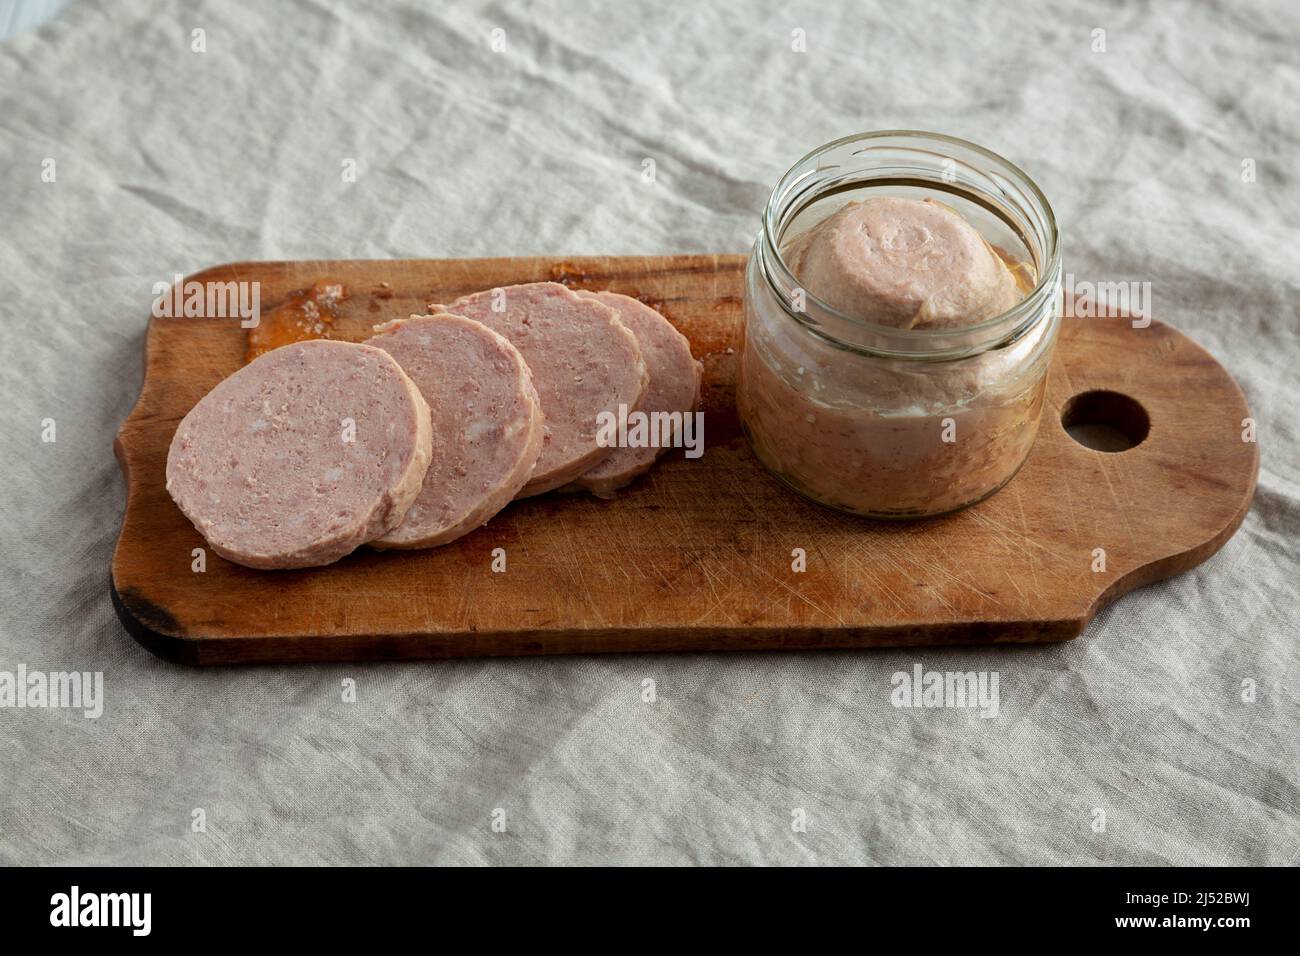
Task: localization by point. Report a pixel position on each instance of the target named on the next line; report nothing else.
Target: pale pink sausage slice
(486, 421)
(302, 455)
(674, 388)
(583, 359)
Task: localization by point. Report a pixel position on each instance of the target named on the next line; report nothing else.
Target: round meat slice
(674, 389)
(486, 419)
(302, 455)
(584, 362)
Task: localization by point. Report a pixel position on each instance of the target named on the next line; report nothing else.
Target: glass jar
(898, 422)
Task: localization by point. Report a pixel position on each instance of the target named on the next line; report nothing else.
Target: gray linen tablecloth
(167, 160)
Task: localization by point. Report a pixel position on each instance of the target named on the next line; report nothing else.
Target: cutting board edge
(202, 651)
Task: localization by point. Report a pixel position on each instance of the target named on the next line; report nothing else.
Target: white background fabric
(170, 160)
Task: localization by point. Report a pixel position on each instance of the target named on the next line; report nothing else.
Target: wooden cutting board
(698, 555)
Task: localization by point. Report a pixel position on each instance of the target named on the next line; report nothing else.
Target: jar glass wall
(886, 421)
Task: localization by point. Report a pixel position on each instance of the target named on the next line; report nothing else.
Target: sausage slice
(583, 359)
(302, 455)
(674, 387)
(486, 421)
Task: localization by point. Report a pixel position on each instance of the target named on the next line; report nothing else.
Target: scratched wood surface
(697, 555)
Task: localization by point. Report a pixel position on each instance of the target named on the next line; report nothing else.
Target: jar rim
(987, 333)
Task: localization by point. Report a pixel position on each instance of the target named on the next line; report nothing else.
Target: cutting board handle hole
(1105, 421)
